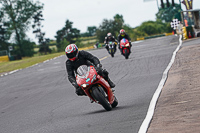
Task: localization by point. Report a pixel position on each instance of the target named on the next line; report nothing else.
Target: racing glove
(99, 68)
(75, 84)
(79, 91)
(130, 43)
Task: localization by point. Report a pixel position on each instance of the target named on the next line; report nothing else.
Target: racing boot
(130, 47)
(112, 85)
(105, 76)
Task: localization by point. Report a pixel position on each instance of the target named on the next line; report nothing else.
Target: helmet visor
(72, 55)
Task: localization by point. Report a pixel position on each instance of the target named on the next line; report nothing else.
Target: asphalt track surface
(40, 99)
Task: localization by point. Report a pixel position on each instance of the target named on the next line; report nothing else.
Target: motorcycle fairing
(123, 49)
(86, 78)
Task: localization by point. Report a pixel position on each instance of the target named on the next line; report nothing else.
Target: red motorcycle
(96, 87)
(125, 47)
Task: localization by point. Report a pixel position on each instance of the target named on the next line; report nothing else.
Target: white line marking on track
(149, 116)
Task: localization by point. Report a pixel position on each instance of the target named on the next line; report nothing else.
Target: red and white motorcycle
(125, 47)
(96, 87)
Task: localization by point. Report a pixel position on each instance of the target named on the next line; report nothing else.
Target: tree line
(17, 16)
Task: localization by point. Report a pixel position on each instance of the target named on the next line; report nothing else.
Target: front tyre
(115, 103)
(101, 99)
(112, 52)
(126, 54)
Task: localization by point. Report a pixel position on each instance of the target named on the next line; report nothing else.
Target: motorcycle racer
(122, 35)
(77, 58)
(109, 38)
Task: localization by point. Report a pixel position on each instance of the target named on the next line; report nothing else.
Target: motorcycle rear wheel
(101, 99)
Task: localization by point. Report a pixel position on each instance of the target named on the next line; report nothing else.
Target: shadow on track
(104, 111)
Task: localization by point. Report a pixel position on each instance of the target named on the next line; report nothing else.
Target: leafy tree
(133, 34)
(153, 27)
(66, 35)
(44, 42)
(86, 34)
(119, 18)
(28, 48)
(3, 44)
(167, 14)
(137, 34)
(37, 26)
(44, 48)
(118, 23)
(18, 13)
(4, 33)
(149, 27)
(70, 33)
(112, 26)
(62, 45)
(103, 29)
(92, 30)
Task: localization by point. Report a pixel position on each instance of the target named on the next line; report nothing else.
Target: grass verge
(25, 62)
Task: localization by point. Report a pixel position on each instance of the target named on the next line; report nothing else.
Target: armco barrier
(91, 47)
(149, 37)
(184, 33)
(4, 58)
(138, 39)
(168, 34)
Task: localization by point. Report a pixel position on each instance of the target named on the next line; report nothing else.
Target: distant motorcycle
(125, 47)
(112, 48)
(96, 87)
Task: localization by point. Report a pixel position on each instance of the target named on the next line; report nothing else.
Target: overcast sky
(84, 13)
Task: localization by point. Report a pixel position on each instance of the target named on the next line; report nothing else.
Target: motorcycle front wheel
(101, 98)
(126, 54)
(115, 103)
(112, 54)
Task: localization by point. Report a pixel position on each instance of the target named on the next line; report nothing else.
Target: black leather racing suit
(108, 39)
(119, 38)
(84, 58)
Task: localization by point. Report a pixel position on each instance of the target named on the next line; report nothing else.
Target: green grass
(25, 62)
(29, 61)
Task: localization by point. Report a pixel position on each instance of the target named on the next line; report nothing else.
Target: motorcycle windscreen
(83, 71)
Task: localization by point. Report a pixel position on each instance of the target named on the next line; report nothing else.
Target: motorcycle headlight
(127, 45)
(84, 85)
(94, 78)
